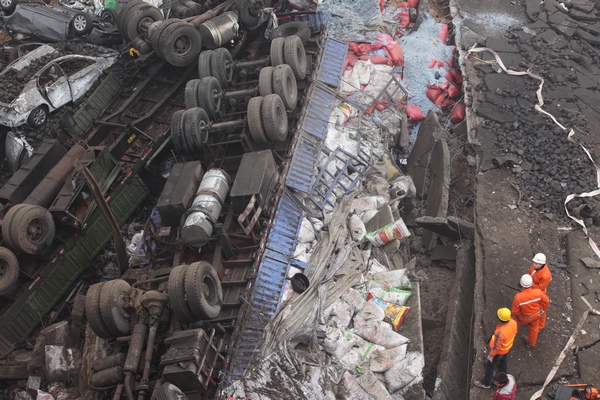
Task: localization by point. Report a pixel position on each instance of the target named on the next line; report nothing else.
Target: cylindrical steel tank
(136, 343)
(218, 31)
(43, 195)
(206, 208)
(107, 377)
(116, 360)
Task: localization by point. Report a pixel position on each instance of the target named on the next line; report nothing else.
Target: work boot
(480, 384)
(527, 344)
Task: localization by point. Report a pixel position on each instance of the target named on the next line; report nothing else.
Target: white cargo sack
(406, 373)
(376, 389)
(381, 333)
(357, 228)
(382, 360)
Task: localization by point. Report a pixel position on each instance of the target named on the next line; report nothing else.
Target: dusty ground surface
(519, 210)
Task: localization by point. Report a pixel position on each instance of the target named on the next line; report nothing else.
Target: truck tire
(196, 8)
(265, 81)
(6, 224)
(31, 229)
(274, 118)
(277, 53)
(123, 10)
(180, 44)
(191, 93)
(295, 56)
(194, 142)
(181, 11)
(204, 60)
(9, 271)
(109, 15)
(284, 84)
(255, 124)
(177, 136)
(298, 28)
(203, 290)
(138, 20)
(92, 310)
(157, 33)
(82, 24)
(176, 288)
(197, 134)
(249, 12)
(221, 66)
(115, 300)
(209, 96)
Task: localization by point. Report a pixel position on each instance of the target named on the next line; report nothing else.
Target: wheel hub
(182, 45)
(36, 230)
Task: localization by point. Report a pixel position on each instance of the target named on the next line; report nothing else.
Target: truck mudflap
(55, 279)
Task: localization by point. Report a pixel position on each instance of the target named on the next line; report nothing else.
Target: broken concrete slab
(511, 60)
(452, 227)
(443, 252)
(563, 24)
(558, 92)
(500, 100)
(532, 8)
(590, 262)
(501, 45)
(505, 83)
(538, 25)
(588, 37)
(582, 16)
(436, 204)
(429, 133)
(465, 228)
(589, 98)
(494, 113)
(582, 5)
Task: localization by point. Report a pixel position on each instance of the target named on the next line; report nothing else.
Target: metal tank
(206, 208)
(220, 30)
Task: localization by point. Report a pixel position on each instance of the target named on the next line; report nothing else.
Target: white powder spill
(491, 23)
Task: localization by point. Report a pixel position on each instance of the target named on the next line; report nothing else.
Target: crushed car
(38, 20)
(50, 81)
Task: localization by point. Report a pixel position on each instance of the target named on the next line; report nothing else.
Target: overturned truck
(192, 300)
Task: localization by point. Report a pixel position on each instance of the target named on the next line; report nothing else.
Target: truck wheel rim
(182, 45)
(80, 23)
(37, 230)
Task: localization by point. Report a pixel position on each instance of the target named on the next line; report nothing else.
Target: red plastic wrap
(382, 105)
(435, 63)
(443, 34)
(403, 19)
(395, 53)
(433, 92)
(453, 91)
(458, 113)
(378, 59)
(381, 3)
(414, 113)
(351, 59)
(413, 3)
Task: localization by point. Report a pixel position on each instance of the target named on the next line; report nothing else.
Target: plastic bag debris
(389, 279)
(393, 231)
(407, 373)
(357, 228)
(379, 332)
(458, 113)
(41, 395)
(307, 233)
(394, 295)
(368, 203)
(354, 298)
(394, 314)
(370, 312)
(414, 113)
(403, 186)
(356, 391)
(382, 360)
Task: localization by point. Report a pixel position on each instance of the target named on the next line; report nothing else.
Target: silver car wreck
(59, 82)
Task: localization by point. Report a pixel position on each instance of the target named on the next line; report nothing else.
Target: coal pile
(567, 56)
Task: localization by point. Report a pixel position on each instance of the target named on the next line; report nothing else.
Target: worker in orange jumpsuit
(500, 344)
(541, 275)
(528, 305)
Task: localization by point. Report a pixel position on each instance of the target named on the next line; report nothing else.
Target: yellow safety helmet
(504, 314)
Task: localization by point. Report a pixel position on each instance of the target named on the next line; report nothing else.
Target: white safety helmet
(540, 258)
(526, 281)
